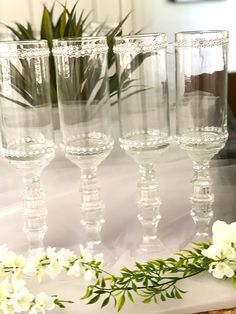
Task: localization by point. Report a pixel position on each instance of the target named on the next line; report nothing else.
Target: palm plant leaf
(69, 25)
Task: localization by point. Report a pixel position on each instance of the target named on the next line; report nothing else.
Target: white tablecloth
(122, 231)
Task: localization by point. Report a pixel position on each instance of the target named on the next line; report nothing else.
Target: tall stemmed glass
(201, 83)
(144, 123)
(26, 125)
(84, 108)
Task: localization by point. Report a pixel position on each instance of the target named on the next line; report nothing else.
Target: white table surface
(122, 231)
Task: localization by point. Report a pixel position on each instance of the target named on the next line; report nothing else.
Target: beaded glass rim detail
(139, 47)
(88, 49)
(86, 151)
(24, 154)
(202, 43)
(25, 53)
(161, 138)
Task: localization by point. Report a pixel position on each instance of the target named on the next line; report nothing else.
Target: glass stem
(202, 199)
(35, 211)
(92, 207)
(148, 202)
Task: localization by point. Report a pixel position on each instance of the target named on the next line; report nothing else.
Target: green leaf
(59, 30)
(95, 299)
(88, 293)
(30, 31)
(163, 297)
(24, 31)
(178, 295)
(46, 27)
(103, 283)
(146, 301)
(120, 302)
(17, 34)
(105, 302)
(134, 287)
(68, 25)
(130, 297)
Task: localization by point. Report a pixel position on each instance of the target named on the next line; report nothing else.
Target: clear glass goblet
(144, 124)
(84, 109)
(201, 87)
(26, 125)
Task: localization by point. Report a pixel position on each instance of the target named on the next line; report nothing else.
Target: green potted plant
(68, 24)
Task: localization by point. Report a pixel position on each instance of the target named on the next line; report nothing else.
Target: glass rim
(79, 39)
(201, 38)
(24, 42)
(140, 43)
(203, 32)
(144, 35)
(80, 46)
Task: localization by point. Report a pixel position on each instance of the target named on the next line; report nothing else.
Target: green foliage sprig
(152, 281)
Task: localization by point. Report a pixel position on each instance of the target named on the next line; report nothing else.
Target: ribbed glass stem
(92, 207)
(202, 199)
(148, 202)
(35, 211)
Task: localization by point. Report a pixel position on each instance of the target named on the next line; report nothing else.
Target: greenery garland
(155, 280)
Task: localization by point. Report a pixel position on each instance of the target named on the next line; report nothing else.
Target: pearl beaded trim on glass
(27, 154)
(24, 53)
(160, 139)
(202, 43)
(87, 49)
(45, 147)
(86, 151)
(207, 138)
(139, 47)
(69, 148)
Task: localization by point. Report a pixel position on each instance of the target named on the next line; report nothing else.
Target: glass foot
(197, 238)
(151, 251)
(108, 255)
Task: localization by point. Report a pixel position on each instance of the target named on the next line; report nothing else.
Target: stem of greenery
(152, 281)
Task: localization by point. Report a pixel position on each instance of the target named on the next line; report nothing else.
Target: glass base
(94, 249)
(197, 238)
(151, 251)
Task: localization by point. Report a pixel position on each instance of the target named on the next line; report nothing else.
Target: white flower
(21, 298)
(89, 275)
(66, 257)
(14, 296)
(33, 268)
(75, 269)
(42, 303)
(220, 270)
(85, 255)
(16, 262)
(42, 263)
(88, 257)
(220, 251)
(99, 257)
(223, 232)
(53, 268)
(213, 252)
(4, 290)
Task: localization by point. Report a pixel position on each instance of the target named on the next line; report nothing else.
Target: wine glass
(144, 124)
(84, 110)
(201, 84)
(26, 125)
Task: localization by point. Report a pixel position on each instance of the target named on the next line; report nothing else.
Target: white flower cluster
(52, 263)
(14, 295)
(222, 250)
(16, 298)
